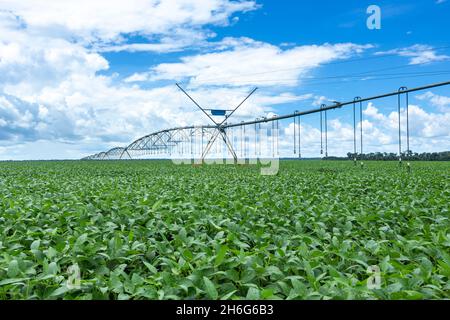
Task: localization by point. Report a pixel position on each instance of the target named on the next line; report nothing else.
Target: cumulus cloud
(441, 102)
(50, 59)
(82, 108)
(429, 131)
(373, 112)
(17, 119)
(265, 64)
(106, 21)
(319, 100)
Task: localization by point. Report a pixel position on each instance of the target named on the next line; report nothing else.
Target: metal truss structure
(181, 140)
(198, 140)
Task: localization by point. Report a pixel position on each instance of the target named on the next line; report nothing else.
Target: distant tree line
(384, 156)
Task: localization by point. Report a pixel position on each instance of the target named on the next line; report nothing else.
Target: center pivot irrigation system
(199, 140)
(220, 127)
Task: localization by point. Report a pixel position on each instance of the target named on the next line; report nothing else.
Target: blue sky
(79, 77)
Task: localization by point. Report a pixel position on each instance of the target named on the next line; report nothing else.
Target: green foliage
(409, 156)
(154, 230)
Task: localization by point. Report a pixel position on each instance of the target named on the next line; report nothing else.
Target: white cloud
(81, 108)
(141, 47)
(29, 62)
(441, 102)
(428, 132)
(372, 112)
(427, 129)
(319, 100)
(49, 64)
(265, 64)
(418, 54)
(178, 40)
(136, 77)
(106, 21)
(421, 123)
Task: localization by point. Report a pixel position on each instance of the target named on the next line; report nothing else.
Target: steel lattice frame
(161, 142)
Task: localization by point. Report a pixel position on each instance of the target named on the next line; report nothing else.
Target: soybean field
(156, 230)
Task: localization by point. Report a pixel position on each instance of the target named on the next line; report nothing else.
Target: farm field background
(155, 230)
